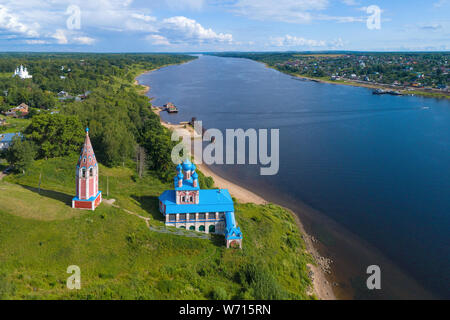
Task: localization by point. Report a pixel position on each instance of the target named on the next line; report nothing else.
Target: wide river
(368, 175)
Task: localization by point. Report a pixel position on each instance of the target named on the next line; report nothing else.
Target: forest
(119, 117)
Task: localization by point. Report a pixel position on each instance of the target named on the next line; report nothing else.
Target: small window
(183, 199)
(91, 172)
(83, 173)
(211, 215)
(191, 199)
(201, 215)
(172, 217)
(182, 216)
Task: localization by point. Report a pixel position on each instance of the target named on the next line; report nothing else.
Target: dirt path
(177, 232)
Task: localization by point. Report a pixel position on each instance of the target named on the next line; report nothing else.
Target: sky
(224, 25)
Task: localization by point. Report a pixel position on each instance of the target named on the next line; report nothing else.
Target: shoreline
(404, 92)
(145, 88)
(321, 281)
(320, 274)
(351, 254)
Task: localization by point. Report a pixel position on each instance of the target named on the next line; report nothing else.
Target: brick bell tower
(88, 196)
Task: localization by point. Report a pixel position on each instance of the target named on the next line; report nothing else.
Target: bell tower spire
(87, 194)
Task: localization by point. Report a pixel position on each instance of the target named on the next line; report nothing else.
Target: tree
(158, 144)
(56, 135)
(21, 154)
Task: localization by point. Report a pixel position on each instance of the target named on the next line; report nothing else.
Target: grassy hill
(121, 258)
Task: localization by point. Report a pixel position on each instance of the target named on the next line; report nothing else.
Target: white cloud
(35, 41)
(104, 15)
(9, 22)
(341, 19)
(66, 37)
(143, 17)
(115, 15)
(293, 11)
(303, 43)
(50, 18)
(141, 22)
(293, 41)
(184, 30)
(337, 43)
(60, 36)
(158, 40)
(84, 40)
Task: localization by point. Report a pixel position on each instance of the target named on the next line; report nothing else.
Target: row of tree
(72, 72)
(118, 116)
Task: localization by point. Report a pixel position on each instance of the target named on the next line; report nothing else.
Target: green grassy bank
(120, 258)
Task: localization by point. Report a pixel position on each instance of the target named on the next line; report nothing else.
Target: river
(368, 175)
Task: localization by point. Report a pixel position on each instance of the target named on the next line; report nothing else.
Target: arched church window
(191, 199)
(91, 172)
(83, 173)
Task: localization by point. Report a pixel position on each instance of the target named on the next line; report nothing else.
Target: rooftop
(8, 137)
(211, 200)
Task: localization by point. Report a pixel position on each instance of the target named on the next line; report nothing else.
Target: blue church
(189, 207)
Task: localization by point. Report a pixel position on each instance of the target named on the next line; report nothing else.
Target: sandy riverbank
(322, 287)
(145, 88)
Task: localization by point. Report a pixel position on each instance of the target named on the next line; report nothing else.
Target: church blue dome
(187, 165)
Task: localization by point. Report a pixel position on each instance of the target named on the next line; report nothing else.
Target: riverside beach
(320, 272)
(329, 174)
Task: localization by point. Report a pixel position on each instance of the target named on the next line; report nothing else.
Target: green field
(120, 258)
(13, 125)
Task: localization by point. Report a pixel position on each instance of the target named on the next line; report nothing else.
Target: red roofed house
(88, 196)
(20, 111)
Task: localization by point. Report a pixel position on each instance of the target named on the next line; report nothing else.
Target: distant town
(414, 73)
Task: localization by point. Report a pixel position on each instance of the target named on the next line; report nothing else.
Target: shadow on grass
(3, 166)
(65, 198)
(218, 240)
(151, 205)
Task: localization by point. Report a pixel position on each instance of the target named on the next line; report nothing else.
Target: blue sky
(223, 25)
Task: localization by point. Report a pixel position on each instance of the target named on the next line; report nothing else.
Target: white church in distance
(22, 73)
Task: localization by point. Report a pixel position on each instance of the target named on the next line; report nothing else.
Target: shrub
(261, 283)
(219, 293)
